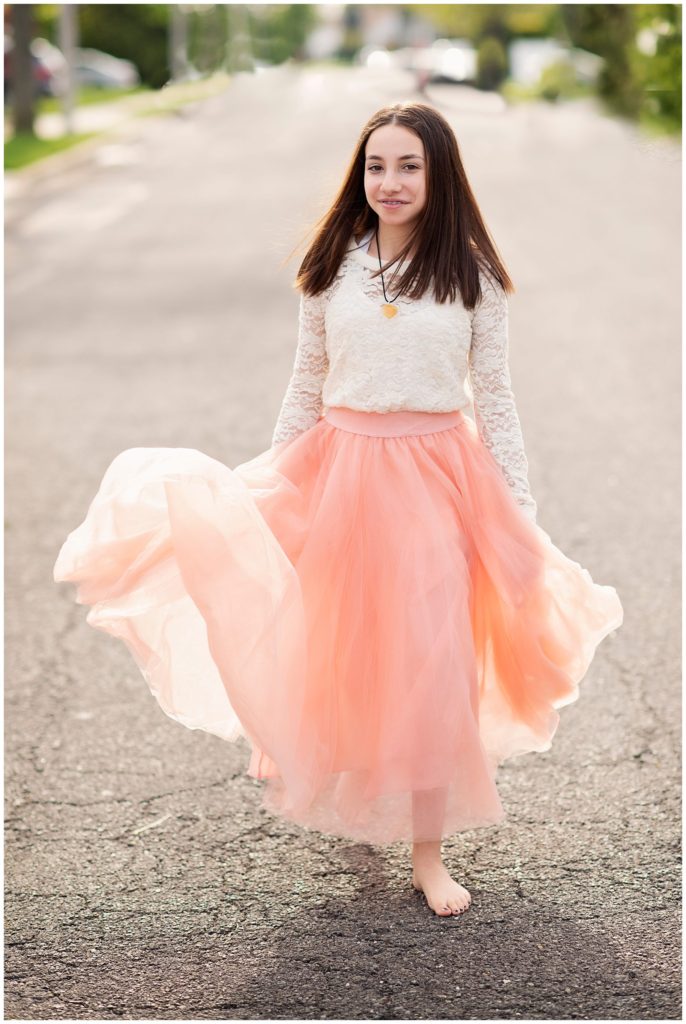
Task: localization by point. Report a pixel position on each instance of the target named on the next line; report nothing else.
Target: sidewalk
(113, 120)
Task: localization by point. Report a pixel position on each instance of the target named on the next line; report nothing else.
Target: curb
(81, 154)
(56, 169)
(76, 155)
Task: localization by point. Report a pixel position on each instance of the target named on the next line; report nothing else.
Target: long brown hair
(450, 239)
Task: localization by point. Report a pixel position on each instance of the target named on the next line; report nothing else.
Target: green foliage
(45, 18)
(658, 72)
(86, 96)
(634, 83)
(558, 81)
(24, 149)
(218, 34)
(533, 20)
(636, 80)
(607, 29)
(491, 63)
(136, 32)
(352, 40)
(279, 31)
(476, 21)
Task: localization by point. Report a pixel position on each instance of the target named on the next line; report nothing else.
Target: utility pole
(23, 87)
(178, 43)
(68, 37)
(239, 55)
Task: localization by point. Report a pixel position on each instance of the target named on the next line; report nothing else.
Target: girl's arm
(495, 412)
(302, 403)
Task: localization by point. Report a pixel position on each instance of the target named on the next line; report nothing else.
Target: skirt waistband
(398, 423)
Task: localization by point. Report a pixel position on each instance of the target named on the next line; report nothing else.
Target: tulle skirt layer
(366, 604)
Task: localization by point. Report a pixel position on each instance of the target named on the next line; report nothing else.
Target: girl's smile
(395, 180)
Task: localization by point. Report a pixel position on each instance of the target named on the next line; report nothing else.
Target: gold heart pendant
(389, 310)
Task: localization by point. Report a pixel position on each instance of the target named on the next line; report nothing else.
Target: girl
(369, 602)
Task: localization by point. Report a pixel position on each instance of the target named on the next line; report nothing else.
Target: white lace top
(428, 357)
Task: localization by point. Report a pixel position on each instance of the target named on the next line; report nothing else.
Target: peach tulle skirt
(366, 604)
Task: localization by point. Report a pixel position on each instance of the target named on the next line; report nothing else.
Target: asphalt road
(148, 304)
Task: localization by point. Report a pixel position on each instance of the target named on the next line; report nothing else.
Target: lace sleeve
(495, 412)
(302, 403)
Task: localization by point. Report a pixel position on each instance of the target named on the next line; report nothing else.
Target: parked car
(103, 71)
(91, 68)
(49, 67)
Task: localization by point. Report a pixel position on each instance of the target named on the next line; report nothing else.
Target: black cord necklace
(387, 308)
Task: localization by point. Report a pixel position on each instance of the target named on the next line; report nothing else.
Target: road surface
(148, 303)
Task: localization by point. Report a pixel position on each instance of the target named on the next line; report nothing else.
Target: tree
(23, 87)
(491, 63)
(607, 30)
(135, 32)
(641, 47)
(279, 31)
(656, 60)
(476, 21)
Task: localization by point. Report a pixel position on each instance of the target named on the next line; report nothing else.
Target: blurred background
(61, 56)
(161, 164)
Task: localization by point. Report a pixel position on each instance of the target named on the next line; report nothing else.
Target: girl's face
(395, 169)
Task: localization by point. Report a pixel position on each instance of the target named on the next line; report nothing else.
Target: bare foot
(444, 895)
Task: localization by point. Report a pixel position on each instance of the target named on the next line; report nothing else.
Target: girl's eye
(376, 167)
